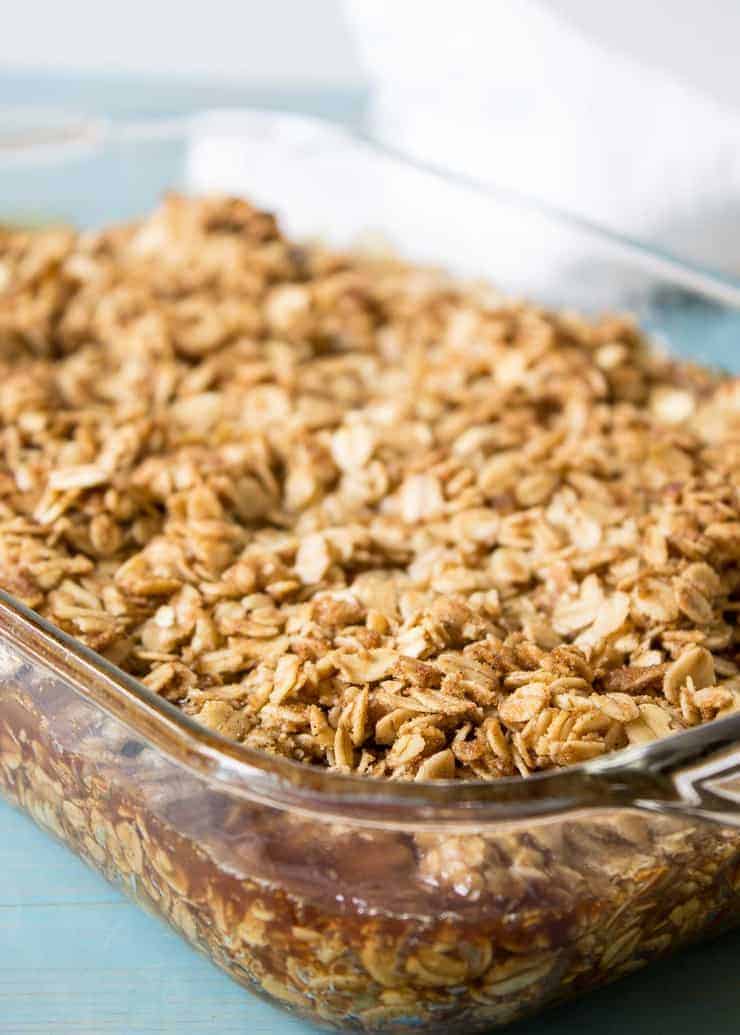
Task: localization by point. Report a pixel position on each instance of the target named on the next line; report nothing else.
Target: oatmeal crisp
(357, 513)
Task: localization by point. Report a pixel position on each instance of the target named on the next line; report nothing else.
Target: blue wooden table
(76, 957)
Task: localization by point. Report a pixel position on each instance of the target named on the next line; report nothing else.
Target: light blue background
(77, 957)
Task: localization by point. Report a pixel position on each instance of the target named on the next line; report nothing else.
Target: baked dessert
(354, 512)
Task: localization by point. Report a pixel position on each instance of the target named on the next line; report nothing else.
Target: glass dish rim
(57, 135)
(630, 777)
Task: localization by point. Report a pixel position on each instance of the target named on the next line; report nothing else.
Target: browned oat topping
(351, 511)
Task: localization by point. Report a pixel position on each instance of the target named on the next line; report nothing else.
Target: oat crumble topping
(351, 511)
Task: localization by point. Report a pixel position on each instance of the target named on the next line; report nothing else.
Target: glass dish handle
(696, 774)
(56, 134)
(710, 788)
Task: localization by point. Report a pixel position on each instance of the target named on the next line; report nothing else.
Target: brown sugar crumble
(355, 512)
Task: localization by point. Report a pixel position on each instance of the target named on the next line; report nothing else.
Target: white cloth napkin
(511, 93)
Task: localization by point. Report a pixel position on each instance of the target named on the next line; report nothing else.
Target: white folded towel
(511, 93)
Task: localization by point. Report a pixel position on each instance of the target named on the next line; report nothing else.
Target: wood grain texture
(76, 958)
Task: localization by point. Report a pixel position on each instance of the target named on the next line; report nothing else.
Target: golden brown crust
(350, 511)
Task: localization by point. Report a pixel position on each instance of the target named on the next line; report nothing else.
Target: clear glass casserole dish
(362, 904)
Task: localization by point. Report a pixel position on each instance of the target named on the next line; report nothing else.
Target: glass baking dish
(364, 905)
